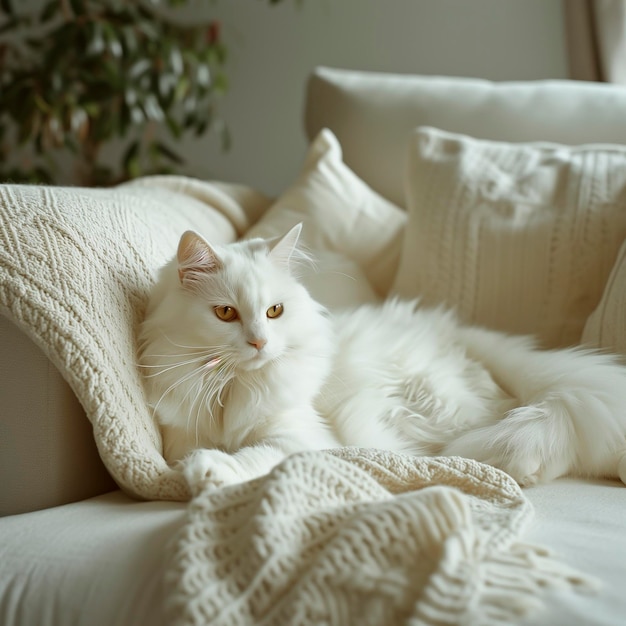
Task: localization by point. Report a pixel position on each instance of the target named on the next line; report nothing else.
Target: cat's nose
(257, 343)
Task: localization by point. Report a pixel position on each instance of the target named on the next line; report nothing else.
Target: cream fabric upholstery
(517, 237)
(48, 455)
(97, 562)
(372, 114)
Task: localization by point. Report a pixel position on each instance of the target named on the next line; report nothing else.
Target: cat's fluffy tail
(571, 417)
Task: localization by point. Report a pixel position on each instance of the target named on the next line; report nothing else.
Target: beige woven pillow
(516, 237)
(606, 327)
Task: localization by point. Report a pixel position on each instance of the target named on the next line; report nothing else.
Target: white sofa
(507, 201)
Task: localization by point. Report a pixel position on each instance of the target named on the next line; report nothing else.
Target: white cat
(243, 367)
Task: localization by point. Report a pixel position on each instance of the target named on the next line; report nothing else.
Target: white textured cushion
(606, 327)
(348, 227)
(517, 237)
(371, 114)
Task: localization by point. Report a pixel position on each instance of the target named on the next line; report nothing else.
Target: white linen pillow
(606, 326)
(516, 237)
(336, 281)
(343, 220)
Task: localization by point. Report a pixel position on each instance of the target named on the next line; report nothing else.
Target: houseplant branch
(77, 76)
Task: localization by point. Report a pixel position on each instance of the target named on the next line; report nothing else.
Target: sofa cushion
(372, 113)
(98, 562)
(516, 237)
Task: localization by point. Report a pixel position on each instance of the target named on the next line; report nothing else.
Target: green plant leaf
(42, 105)
(226, 138)
(96, 44)
(131, 154)
(182, 89)
(138, 68)
(130, 40)
(176, 61)
(137, 115)
(105, 70)
(173, 126)
(203, 75)
(220, 83)
(201, 126)
(168, 153)
(113, 43)
(152, 108)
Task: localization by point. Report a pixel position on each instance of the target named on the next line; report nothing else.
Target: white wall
(273, 49)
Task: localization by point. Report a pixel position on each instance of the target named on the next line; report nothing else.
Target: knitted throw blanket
(361, 537)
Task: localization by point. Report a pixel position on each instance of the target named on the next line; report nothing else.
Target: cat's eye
(275, 311)
(226, 313)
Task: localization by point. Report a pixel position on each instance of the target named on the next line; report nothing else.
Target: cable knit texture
(517, 237)
(361, 537)
(76, 267)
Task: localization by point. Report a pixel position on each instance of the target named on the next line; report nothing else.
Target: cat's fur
(233, 398)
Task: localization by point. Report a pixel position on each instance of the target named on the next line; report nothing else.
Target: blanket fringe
(498, 589)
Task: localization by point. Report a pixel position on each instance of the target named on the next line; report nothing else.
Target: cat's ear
(195, 258)
(282, 248)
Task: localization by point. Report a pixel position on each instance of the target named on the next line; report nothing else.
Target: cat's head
(245, 299)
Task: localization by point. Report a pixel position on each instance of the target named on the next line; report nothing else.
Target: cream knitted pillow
(516, 237)
(76, 267)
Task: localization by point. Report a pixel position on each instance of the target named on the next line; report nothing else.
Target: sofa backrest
(372, 115)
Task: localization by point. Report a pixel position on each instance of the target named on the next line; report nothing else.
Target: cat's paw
(209, 468)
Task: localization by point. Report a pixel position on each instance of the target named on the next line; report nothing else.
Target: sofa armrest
(48, 455)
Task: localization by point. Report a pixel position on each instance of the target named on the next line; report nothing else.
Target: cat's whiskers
(165, 369)
(215, 381)
(201, 383)
(180, 345)
(200, 401)
(337, 273)
(221, 382)
(183, 379)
